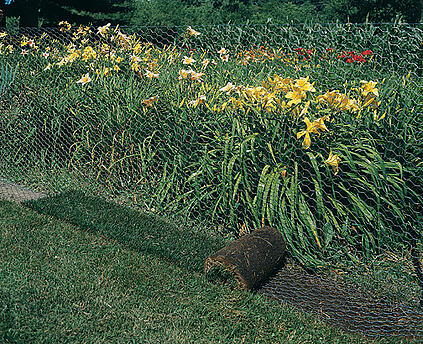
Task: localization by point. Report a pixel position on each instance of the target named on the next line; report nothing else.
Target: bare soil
(17, 193)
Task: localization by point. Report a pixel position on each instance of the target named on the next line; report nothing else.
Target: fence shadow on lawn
(334, 300)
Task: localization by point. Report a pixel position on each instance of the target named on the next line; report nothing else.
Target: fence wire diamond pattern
(313, 129)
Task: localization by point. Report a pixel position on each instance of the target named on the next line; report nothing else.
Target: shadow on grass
(131, 228)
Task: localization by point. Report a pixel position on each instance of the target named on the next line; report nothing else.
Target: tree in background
(283, 12)
(51, 12)
(201, 12)
(96, 12)
(27, 10)
(206, 12)
(375, 11)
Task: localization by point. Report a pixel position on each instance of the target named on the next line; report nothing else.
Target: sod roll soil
(258, 262)
(250, 259)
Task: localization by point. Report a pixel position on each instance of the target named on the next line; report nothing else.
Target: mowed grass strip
(131, 228)
(59, 283)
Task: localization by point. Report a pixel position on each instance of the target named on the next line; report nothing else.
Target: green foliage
(167, 12)
(200, 12)
(26, 10)
(184, 12)
(51, 12)
(374, 11)
(7, 77)
(237, 169)
(98, 12)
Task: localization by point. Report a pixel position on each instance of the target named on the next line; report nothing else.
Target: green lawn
(79, 269)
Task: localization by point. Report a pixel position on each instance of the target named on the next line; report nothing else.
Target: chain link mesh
(313, 129)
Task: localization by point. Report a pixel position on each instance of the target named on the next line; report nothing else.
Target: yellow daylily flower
(222, 51)
(228, 88)
(135, 58)
(237, 103)
(369, 87)
(256, 94)
(296, 96)
(307, 139)
(188, 60)
(351, 104)
(224, 58)
(135, 67)
(304, 85)
(205, 62)
(88, 53)
(196, 76)
(279, 84)
(192, 32)
(312, 127)
(239, 89)
(330, 97)
(305, 109)
(339, 100)
(333, 161)
(152, 64)
(66, 26)
(319, 124)
(183, 73)
(103, 29)
(151, 75)
(84, 80)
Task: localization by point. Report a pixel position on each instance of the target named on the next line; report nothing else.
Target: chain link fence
(313, 129)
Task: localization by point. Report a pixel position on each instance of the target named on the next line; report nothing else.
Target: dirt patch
(17, 193)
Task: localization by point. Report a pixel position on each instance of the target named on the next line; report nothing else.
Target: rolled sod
(251, 259)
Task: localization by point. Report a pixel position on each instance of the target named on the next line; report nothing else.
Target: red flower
(367, 52)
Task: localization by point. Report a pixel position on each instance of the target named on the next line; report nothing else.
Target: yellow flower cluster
(278, 95)
(338, 101)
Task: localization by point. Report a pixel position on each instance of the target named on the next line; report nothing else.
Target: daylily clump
(245, 133)
(205, 80)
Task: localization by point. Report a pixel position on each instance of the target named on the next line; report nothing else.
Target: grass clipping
(248, 261)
